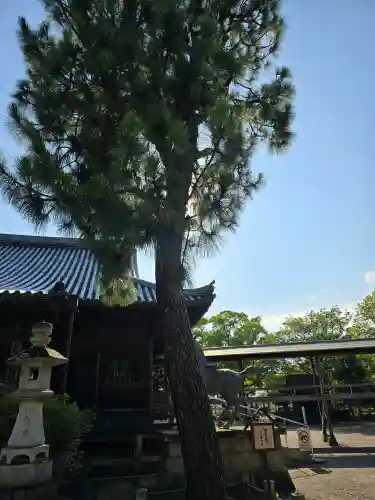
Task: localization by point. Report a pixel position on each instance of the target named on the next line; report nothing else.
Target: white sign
(263, 436)
(304, 439)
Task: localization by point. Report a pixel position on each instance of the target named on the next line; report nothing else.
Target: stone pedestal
(42, 492)
(23, 475)
(242, 464)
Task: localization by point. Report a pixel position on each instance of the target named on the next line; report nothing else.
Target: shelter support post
(325, 407)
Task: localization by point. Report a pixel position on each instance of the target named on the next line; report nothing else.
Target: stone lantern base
(25, 466)
(19, 476)
(18, 456)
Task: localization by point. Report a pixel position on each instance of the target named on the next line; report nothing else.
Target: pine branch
(114, 109)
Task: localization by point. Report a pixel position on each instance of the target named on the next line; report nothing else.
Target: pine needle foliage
(123, 102)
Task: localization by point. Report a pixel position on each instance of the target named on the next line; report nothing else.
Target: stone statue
(229, 384)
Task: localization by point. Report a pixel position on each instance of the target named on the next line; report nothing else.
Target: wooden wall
(111, 360)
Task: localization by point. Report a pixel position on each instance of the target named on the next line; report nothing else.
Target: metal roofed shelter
(292, 350)
(110, 350)
(312, 350)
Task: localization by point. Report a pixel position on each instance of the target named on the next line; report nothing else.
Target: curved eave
(146, 294)
(198, 301)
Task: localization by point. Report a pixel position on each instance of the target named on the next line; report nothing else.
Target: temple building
(111, 350)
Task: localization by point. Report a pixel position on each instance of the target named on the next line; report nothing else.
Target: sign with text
(263, 435)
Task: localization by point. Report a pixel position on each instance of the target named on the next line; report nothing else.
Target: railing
(248, 411)
(283, 394)
(252, 412)
(308, 392)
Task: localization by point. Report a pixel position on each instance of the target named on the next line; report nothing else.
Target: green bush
(65, 424)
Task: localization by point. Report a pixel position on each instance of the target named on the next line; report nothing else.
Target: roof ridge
(190, 291)
(28, 239)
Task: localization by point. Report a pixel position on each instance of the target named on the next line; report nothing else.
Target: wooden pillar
(12, 372)
(64, 308)
(97, 380)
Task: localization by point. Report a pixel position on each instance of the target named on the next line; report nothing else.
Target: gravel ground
(348, 473)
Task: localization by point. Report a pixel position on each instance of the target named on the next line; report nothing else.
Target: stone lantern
(25, 461)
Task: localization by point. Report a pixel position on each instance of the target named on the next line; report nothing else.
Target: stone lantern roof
(39, 349)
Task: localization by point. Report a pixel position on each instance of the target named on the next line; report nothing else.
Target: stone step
(122, 469)
(127, 446)
(114, 422)
(121, 487)
(123, 461)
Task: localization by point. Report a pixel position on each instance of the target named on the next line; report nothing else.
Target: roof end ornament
(58, 288)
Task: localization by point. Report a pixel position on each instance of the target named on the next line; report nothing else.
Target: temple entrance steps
(140, 454)
(125, 446)
(118, 422)
(136, 459)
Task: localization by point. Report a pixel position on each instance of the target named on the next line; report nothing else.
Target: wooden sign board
(263, 436)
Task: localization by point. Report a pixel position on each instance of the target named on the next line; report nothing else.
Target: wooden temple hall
(111, 351)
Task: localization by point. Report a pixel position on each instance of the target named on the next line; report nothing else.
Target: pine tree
(139, 119)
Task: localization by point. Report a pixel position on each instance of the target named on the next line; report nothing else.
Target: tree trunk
(327, 426)
(199, 443)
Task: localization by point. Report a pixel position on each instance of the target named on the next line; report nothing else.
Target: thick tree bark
(199, 443)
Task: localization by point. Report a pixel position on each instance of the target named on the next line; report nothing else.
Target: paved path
(349, 472)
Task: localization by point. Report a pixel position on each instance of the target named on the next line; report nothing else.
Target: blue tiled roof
(33, 264)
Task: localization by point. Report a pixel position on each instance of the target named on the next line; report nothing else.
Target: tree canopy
(142, 114)
(229, 328)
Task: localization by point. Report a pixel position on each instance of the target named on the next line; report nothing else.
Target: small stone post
(25, 461)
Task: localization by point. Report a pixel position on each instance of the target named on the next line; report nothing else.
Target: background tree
(139, 120)
(364, 318)
(234, 329)
(229, 328)
(351, 369)
(325, 324)
(364, 327)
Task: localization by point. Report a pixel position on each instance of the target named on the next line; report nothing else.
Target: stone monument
(25, 461)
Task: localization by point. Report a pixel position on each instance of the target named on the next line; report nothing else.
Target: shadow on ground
(344, 449)
(364, 428)
(345, 461)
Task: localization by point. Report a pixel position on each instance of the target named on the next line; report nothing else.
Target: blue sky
(306, 240)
